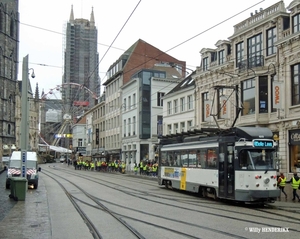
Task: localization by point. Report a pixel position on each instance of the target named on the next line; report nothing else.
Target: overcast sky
(179, 27)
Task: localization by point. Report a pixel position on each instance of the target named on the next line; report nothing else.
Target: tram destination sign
(258, 143)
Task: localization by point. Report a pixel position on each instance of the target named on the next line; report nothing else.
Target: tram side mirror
(39, 169)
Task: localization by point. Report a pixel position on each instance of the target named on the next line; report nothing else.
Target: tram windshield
(256, 159)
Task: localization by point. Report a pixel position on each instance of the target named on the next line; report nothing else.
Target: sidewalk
(41, 215)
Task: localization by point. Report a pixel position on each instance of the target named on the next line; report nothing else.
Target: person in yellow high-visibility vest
(281, 183)
(295, 180)
(135, 169)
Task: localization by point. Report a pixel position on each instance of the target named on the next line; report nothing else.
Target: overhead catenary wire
(171, 47)
(203, 31)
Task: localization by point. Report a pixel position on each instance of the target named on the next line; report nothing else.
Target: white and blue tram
(235, 164)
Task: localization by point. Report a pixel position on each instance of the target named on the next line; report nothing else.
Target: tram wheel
(204, 192)
(168, 185)
(215, 195)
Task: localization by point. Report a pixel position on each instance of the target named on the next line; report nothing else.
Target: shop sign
(295, 137)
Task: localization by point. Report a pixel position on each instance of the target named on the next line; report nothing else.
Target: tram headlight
(257, 176)
(266, 180)
(257, 185)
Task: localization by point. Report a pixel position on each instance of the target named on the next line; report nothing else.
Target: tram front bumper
(257, 195)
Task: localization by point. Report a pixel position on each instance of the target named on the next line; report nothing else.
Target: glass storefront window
(294, 142)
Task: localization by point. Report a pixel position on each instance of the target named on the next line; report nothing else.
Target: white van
(14, 168)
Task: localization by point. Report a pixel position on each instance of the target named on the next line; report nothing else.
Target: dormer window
(205, 64)
(296, 23)
(221, 57)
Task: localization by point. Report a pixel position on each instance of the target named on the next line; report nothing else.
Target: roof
(185, 83)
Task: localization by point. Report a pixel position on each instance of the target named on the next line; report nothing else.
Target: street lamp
(25, 116)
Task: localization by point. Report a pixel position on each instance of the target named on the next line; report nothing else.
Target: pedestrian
(281, 183)
(141, 167)
(295, 180)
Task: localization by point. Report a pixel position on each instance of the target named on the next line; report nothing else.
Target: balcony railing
(250, 63)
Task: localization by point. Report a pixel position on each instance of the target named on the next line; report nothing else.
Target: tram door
(226, 170)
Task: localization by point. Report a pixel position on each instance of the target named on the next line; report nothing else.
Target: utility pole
(24, 118)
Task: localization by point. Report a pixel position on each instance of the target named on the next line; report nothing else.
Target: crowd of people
(147, 168)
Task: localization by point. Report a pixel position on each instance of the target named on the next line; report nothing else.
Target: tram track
(115, 187)
(95, 232)
(210, 205)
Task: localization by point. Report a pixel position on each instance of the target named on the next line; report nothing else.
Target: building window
(175, 106)
(204, 98)
(296, 23)
(169, 129)
(176, 128)
(12, 27)
(190, 102)
(255, 51)
(263, 94)
(296, 84)
(129, 126)
(8, 129)
(134, 100)
(80, 142)
(169, 108)
(129, 102)
(271, 39)
(221, 57)
(182, 126)
(294, 150)
(160, 95)
(134, 125)
(124, 106)
(239, 53)
(189, 124)
(205, 64)
(248, 96)
(124, 128)
(182, 104)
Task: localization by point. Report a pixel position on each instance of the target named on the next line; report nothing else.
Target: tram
(235, 164)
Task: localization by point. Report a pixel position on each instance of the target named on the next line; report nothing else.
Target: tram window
(244, 160)
(176, 160)
(163, 158)
(256, 159)
(212, 158)
(203, 162)
(192, 159)
(184, 160)
(170, 160)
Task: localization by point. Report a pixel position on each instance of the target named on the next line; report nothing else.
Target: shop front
(294, 148)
